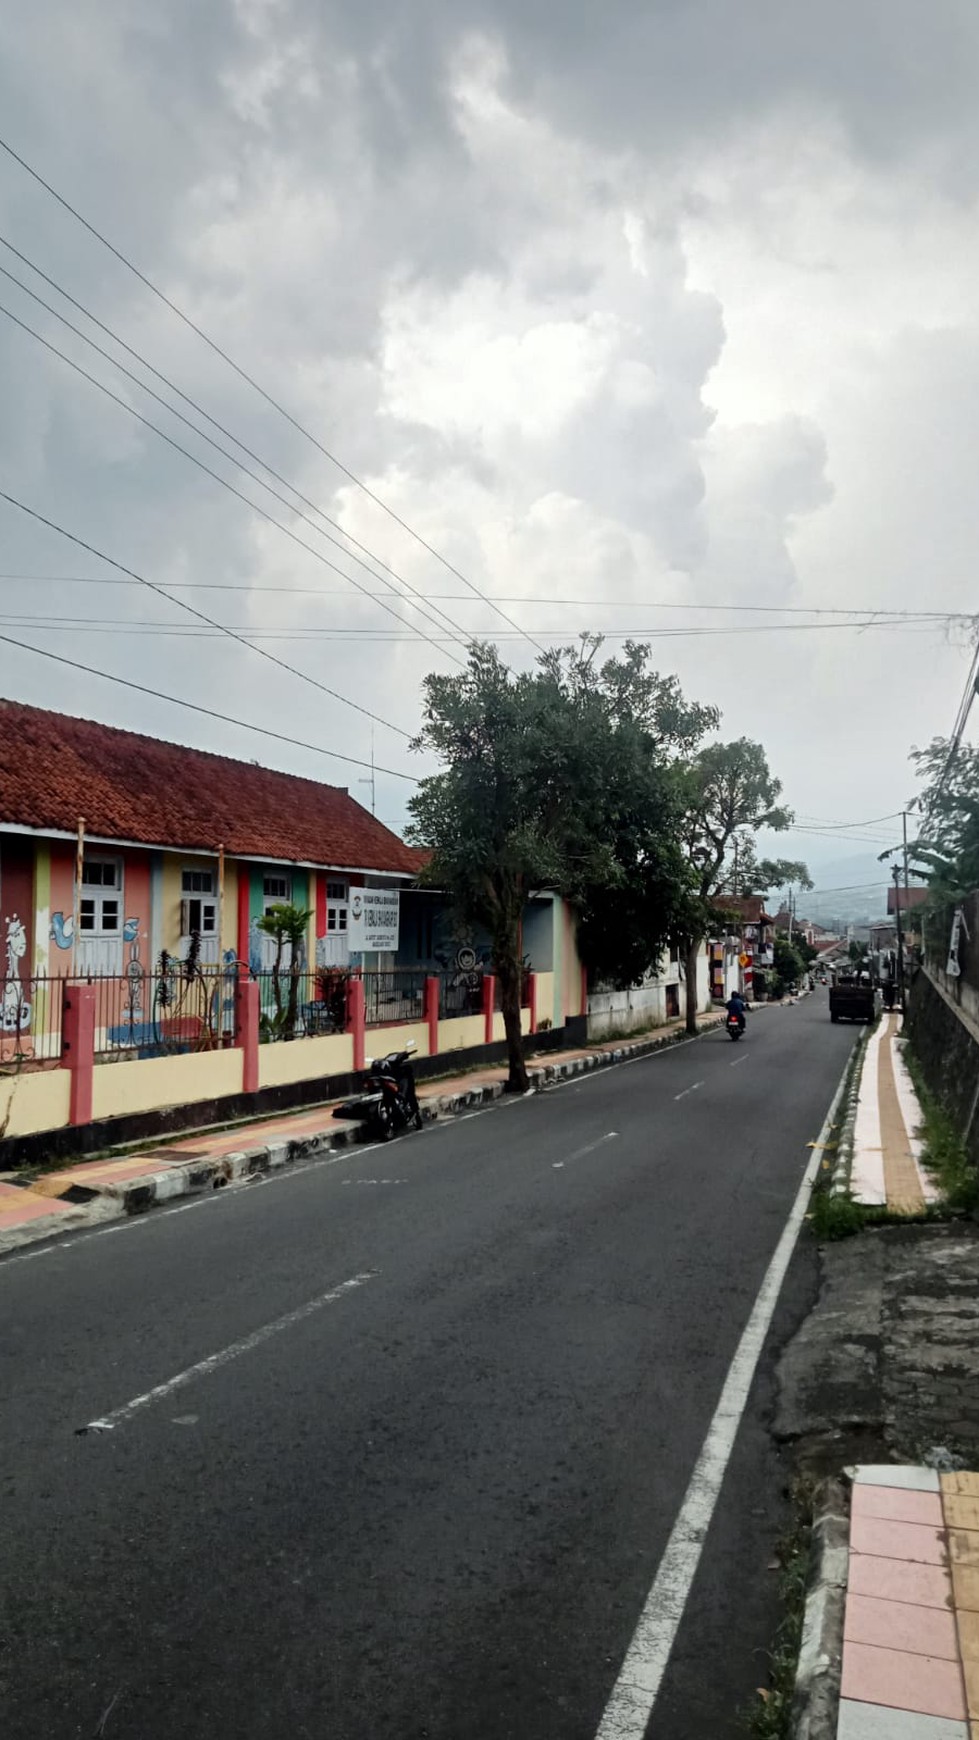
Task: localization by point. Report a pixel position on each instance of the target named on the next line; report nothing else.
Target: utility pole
(371, 782)
(900, 933)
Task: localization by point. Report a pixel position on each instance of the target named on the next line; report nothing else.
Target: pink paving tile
(902, 1681)
(893, 1504)
(18, 1206)
(898, 1540)
(895, 1580)
(896, 1625)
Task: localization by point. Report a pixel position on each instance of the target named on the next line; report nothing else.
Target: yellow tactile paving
(964, 1548)
(961, 1512)
(970, 1670)
(960, 1485)
(969, 1635)
(965, 1588)
(901, 1180)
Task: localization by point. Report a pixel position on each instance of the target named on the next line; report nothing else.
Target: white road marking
(214, 1361)
(692, 1089)
(738, 1060)
(634, 1695)
(356, 1152)
(373, 1181)
(589, 1148)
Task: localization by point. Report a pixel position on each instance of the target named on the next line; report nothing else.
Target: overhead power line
(256, 386)
(195, 707)
(385, 637)
(215, 475)
(152, 586)
(874, 615)
(202, 435)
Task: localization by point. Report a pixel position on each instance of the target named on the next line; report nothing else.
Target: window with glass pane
(277, 888)
(99, 913)
(198, 882)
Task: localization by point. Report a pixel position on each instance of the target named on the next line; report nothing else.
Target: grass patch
(769, 1715)
(943, 1149)
(835, 1215)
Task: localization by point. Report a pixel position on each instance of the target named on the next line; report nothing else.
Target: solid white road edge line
(214, 1361)
(634, 1694)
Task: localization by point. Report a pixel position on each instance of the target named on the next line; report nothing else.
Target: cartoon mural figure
(62, 929)
(134, 969)
(15, 1014)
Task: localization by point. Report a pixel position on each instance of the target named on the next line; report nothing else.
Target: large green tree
(730, 794)
(946, 849)
(560, 778)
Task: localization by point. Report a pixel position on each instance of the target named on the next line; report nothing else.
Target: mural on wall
(16, 935)
(62, 929)
(15, 1015)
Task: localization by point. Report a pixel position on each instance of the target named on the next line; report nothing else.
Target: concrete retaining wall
(946, 1043)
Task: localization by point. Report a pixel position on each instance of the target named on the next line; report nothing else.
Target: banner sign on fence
(374, 918)
(952, 965)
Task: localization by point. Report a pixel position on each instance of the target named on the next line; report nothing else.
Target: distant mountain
(848, 888)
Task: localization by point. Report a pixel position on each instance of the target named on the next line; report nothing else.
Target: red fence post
(356, 1019)
(78, 1049)
(248, 1019)
(433, 988)
(532, 1000)
(489, 1005)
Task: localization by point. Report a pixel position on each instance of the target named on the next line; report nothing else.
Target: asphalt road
(430, 1505)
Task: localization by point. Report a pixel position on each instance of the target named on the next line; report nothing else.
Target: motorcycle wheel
(383, 1122)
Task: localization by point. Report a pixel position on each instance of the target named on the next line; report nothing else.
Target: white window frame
(337, 903)
(270, 900)
(97, 895)
(198, 902)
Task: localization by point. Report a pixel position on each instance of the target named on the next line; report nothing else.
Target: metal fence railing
(180, 1006)
(393, 997)
(460, 994)
(302, 1006)
(30, 1019)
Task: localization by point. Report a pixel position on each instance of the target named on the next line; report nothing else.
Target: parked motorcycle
(390, 1103)
(734, 1025)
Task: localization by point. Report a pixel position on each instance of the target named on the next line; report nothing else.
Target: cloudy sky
(627, 310)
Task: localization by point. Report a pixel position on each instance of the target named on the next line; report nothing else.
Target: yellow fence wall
(302, 1059)
(379, 1041)
(147, 1084)
(462, 1031)
(38, 1100)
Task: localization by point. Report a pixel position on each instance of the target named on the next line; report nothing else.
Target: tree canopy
(946, 851)
(562, 778)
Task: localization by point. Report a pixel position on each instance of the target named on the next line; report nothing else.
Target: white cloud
(616, 302)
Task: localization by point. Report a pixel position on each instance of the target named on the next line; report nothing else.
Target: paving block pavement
(93, 1190)
(886, 1167)
(907, 1657)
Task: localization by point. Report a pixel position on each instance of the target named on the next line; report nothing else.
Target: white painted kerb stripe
(637, 1687)
(215, 1360)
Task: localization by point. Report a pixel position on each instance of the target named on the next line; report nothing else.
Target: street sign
(744, 960)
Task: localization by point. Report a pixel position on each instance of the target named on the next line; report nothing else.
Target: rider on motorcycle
(736, 1005)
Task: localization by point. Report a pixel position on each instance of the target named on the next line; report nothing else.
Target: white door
(99, 945)
(334, 948)
(199, 914)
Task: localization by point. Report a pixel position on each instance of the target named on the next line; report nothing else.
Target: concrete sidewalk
(887, 1168)
(100, 1189)
(910, 1668)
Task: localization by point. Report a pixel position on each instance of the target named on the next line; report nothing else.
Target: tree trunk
(690, 958)
(508, 971)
